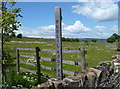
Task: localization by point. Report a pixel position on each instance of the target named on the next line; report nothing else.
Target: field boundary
(38, 58)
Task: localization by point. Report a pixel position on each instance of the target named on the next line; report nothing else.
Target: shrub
(94, 40)
(111, 39)
(13, 35)
(26, 80)
(85, 40)
(19, 35)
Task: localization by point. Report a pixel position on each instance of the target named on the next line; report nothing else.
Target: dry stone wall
(105, 75)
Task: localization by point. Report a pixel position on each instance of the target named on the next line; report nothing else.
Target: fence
(38, 65)
(37, 57)
(9, 53)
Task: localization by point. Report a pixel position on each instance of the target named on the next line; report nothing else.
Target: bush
(70, 39)
(16, 80)
(13, 35)
(111, 39)
(85, 40)
(19, 35)
(94, 40)
(26, 80)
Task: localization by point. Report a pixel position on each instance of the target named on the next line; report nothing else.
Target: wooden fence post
(58, 27)
(1, 58)
(17, 61)
(83, 61)
(38, 64)
(118, 42)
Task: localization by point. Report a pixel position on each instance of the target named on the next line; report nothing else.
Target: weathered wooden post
(58, 19)
(38, 64)
(1, 58)
(17, 61)
(2, 71)
(83, 61)
(118, 47)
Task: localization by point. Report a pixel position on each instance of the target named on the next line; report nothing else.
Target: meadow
(96, 52)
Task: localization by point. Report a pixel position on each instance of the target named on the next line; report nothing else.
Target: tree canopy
(9, 15)
(113, 38)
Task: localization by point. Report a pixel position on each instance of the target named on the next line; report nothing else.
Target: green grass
(96, 52)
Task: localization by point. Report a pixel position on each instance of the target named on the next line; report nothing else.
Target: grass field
(96, 52)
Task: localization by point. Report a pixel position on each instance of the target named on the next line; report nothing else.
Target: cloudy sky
(91, 19)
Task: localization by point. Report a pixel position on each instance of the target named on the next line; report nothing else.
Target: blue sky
(80, 19)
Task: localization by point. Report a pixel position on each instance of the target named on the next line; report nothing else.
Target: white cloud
(46, 31)
(77, 27)
(49, 31)
(102, 28)
(76, 30)
(105, 31)
(98, 10)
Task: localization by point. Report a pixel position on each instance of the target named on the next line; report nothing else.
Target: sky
(79, 19)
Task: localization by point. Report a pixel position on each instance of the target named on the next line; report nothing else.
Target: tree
(63, 39)
(19, 35)
(8, 19)
(77, 40)
(13, 35)
(85, 40)
(8, 24)
(116, 36)
(94, 40)
(113, 38)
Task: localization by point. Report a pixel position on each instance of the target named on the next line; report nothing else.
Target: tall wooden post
(58, 28)
(83, 61)
(118, 48)
(2, 77)
(1, 58)
(17, 61)
(38, 64)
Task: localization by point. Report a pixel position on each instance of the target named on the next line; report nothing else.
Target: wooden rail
(46, 67)
(28, 49)
(24, 69)
(27, 56)
(12, 51)
(37, 57)
(64, 61)
(54, 69)
(34, 72)
(63, 51)
(27, 63)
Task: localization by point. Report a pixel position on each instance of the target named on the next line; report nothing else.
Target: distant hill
(81, 39)
(89, 39)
